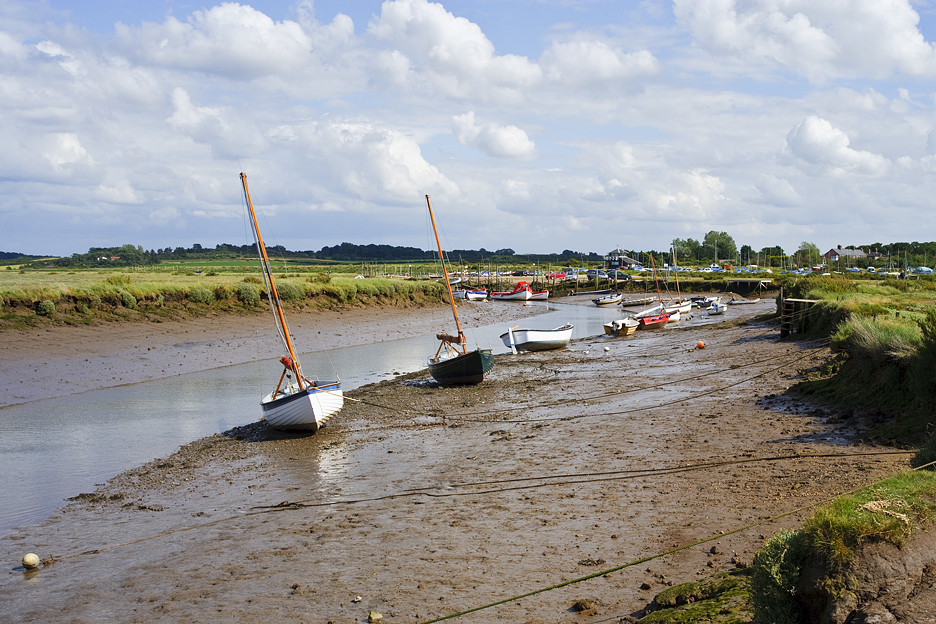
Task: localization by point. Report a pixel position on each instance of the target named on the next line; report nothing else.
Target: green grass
(85, 295)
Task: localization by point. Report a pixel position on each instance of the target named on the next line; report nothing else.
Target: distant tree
(746, 254)
(720, 245)
(687, 250)
(504, 252)
(807, 254)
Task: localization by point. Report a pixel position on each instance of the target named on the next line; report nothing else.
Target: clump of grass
(775, 573)
(247, 293)
(223, 292)
(877, 289)
(118, 280)
(45, 308)
(200, 295)
(128, 300)
(290, 292)
(877, 340)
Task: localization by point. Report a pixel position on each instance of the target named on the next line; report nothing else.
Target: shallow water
(57, 448)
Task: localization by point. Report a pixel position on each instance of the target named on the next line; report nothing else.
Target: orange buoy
(700, 345)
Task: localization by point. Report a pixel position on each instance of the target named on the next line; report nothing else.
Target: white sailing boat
(298, 404)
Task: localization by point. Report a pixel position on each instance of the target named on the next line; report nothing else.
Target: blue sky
(536, 125)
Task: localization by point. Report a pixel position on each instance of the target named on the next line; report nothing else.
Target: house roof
(851, 253)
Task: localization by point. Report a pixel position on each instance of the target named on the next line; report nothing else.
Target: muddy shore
(417, 502)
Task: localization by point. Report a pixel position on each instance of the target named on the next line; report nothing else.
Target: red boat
(655, 322)
(522, 292)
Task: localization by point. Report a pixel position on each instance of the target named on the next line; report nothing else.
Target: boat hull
(467, 369)
(523, 295)
(621, 327)
(470, 295)
(608, 300)
(539, 339)
(658, 321)
(542, 295)
(304, 410)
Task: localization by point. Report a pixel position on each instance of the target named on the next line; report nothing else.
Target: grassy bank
(41, 298)
(884, 337)
(826, 548)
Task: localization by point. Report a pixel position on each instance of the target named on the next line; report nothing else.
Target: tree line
(715, 247)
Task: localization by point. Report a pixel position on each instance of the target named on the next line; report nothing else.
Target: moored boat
(540, 295)
(453, 364)
(717, 307)
(522, 292)
(298, 404)
(657, 321)
(538, 339)
(470, 295)
(612, 299)
(621, 327)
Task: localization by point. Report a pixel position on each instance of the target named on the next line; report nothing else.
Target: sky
(534, 125)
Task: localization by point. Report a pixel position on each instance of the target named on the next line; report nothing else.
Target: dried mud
(418, 502)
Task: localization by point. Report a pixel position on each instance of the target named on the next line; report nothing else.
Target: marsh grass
(84, 296)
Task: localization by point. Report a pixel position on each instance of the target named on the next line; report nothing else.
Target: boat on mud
(521, 292)
(537, 339)
(453, 364)
(298, 404)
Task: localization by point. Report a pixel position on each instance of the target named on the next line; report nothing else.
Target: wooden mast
(268, 274)
(461, 334)
(659, 296)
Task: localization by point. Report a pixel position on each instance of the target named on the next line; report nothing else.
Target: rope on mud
(650, 558)
(571, 479)
(287, 505)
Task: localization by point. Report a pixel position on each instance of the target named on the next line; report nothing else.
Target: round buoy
(31, 561)
(607, 348)
(700, 345)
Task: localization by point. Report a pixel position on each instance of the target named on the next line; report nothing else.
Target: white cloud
(242, 43)
(775, 191)
(816, 39)
(64, 148)
(449, 54)
(371, 162)
(827, 150)
(587, 62)
(494, 140)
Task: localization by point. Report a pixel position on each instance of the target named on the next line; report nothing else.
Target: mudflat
(417, 502)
